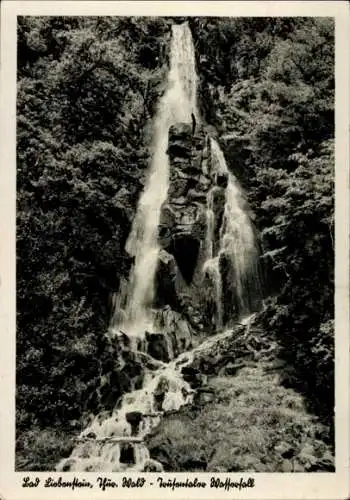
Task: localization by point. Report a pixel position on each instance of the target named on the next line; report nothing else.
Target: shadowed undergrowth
(252, 424)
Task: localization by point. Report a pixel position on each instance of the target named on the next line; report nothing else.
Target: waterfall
(177, 105)
(236, 251)
(115, 441)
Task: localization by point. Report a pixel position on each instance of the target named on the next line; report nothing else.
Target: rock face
(183, 217)
(121, 370)
(174, 337)
(165, 280)
(134, 418)
(159, 346)
(183, 225)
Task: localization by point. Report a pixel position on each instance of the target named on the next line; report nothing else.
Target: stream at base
(115, 442)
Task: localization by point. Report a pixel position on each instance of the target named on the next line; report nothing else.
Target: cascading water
(177, 105)
(115, 442)
(236, 249)
(211, 265)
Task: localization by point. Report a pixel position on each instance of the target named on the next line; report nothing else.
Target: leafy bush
(86, 93)
(267, 85)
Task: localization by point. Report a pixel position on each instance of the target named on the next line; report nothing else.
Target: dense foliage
(269, 91)
(87, 89)
(87, 92)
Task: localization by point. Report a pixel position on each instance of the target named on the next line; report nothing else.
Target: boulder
(204, 395)
(127, 453)
(165, 279)
(122, 339)
(158, 346)
(221, 179)
(192, 375)
(151, 465)
(67, 465)
(181, 132)
(175, 326)
(134, 418)
(219, 200)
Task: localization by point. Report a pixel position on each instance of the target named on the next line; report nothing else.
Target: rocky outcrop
(183, 217)
(160, 346)
(165, 280)
(134, 418)
(121, 370)
(195, 187)
(173, 336)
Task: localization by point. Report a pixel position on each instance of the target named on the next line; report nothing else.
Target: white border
(270, 486)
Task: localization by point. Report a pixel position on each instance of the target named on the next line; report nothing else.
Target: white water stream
(237, 243)
(100, 446)
(176, 105)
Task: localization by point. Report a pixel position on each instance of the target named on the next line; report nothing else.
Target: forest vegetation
(87, 92)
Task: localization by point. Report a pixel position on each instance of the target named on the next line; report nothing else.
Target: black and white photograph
(175, 245)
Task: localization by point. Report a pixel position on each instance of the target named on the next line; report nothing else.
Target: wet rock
(219, 200)
(158, 346)
(122, 339)
(175, 326)
(204, 395)
(160, 392)
(183, 220)
(181, 132)
(232, 368)
(192, 375)
(127, 454)
(133, 366)
(185, 249)
(152, 466)
(194, 195)
(137, 383)
(203, 183)
(179, 149)
(165, 279)
(221, 179)
(134, 418)
(179, 187)
(151, 363)
(168, 217)
(67, 465)
(141, 345)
